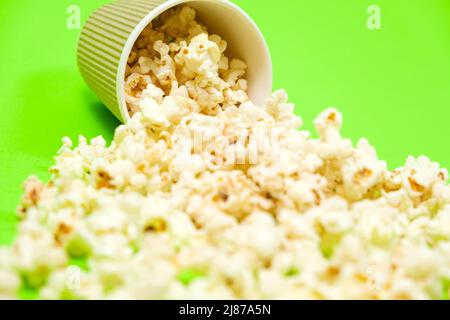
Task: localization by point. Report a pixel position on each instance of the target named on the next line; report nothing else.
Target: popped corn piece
(362, 172)
(9, 284)
(32, 192)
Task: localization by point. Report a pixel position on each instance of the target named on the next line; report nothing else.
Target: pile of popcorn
(176, 55)
(204, 195)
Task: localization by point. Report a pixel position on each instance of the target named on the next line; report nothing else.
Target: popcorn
(205, 195)
(176, 54)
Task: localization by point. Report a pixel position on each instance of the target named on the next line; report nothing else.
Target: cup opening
(245, 41)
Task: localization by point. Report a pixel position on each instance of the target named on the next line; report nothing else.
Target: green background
(392, 85)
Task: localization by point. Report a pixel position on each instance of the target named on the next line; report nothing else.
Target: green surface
(393, 85)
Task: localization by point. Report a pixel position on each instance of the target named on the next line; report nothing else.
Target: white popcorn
(205, 195)
(153, 115)
(153, 92)
(363, 171)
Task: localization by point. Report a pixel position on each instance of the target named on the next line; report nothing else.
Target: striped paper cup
(110, 33)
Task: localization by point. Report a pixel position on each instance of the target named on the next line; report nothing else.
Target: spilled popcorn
(204, 195)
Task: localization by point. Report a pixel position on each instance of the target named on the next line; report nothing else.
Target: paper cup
(110, 33)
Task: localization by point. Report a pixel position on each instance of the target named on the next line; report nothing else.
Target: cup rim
(153, 14)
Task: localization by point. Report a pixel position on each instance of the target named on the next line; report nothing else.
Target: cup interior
(245, 41)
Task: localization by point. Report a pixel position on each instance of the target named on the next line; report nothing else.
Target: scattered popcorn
(204, 195)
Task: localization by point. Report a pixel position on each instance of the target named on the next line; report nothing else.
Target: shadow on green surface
(101, 113)
(57, 103)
